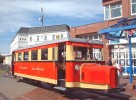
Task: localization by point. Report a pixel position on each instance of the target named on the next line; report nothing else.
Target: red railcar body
(62, 63)
(38, 69)
(99, 74)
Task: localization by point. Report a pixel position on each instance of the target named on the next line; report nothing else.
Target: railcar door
(12, 63)
(61, 64)
(61, 59)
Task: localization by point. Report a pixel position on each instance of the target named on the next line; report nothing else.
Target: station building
(114, 10)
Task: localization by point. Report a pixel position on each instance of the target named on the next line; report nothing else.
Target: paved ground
(11, 88)
(44, 94)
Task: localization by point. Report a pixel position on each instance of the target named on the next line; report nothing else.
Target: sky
(15, 14)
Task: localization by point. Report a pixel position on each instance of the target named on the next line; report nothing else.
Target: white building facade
(120, 52)
(30, 36)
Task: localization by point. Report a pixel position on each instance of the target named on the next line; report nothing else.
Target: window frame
(110, 11)
(32, 58)
(53, 37)
(24, 56)
(30, 38)
(131, 7)
(19, 54)
(42, 53)
(45, 37)
(38, 38)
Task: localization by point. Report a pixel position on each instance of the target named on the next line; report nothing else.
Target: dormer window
(112, 11)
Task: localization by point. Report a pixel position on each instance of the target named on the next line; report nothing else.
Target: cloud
(25, 13)
(20, 12)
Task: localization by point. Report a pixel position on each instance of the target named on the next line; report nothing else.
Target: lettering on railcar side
(38, 69)
(23, 68)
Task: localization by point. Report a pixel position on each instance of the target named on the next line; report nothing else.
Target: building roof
(45, 29)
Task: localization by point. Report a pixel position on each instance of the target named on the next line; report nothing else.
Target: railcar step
(60, 88)
(62, 79)
(61, 82)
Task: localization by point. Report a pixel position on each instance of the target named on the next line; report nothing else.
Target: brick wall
(95, 27)
(106, 2)
(126, 8)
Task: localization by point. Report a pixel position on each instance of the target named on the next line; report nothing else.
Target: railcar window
(34, 55)
(25, 55)
(44, 54)
(80, 53)
(14, 57)
(19, 56)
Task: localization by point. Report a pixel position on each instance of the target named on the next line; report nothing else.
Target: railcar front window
(25, 55)
(34, 55)
(14, 57)
(80, 53)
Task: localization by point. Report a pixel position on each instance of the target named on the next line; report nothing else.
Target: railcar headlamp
(77, 67)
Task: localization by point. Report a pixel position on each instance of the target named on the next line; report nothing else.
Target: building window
(37, 38)
(53, 37)
(107, 12)
(25, 55)
(112, 11)
(44, 54)
(91, 36)
(95, 37)
(34, 55)
(121, 54)
(97, 53)
(61, 35)
(19, 56)
(30, 38)
(133, 6)
(45, 37)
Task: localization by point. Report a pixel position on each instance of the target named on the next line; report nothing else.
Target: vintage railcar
(66, 63)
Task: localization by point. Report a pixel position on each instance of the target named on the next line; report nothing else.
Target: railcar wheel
(106, 91)
(19, 79)
(47, 85)
(38, 83)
